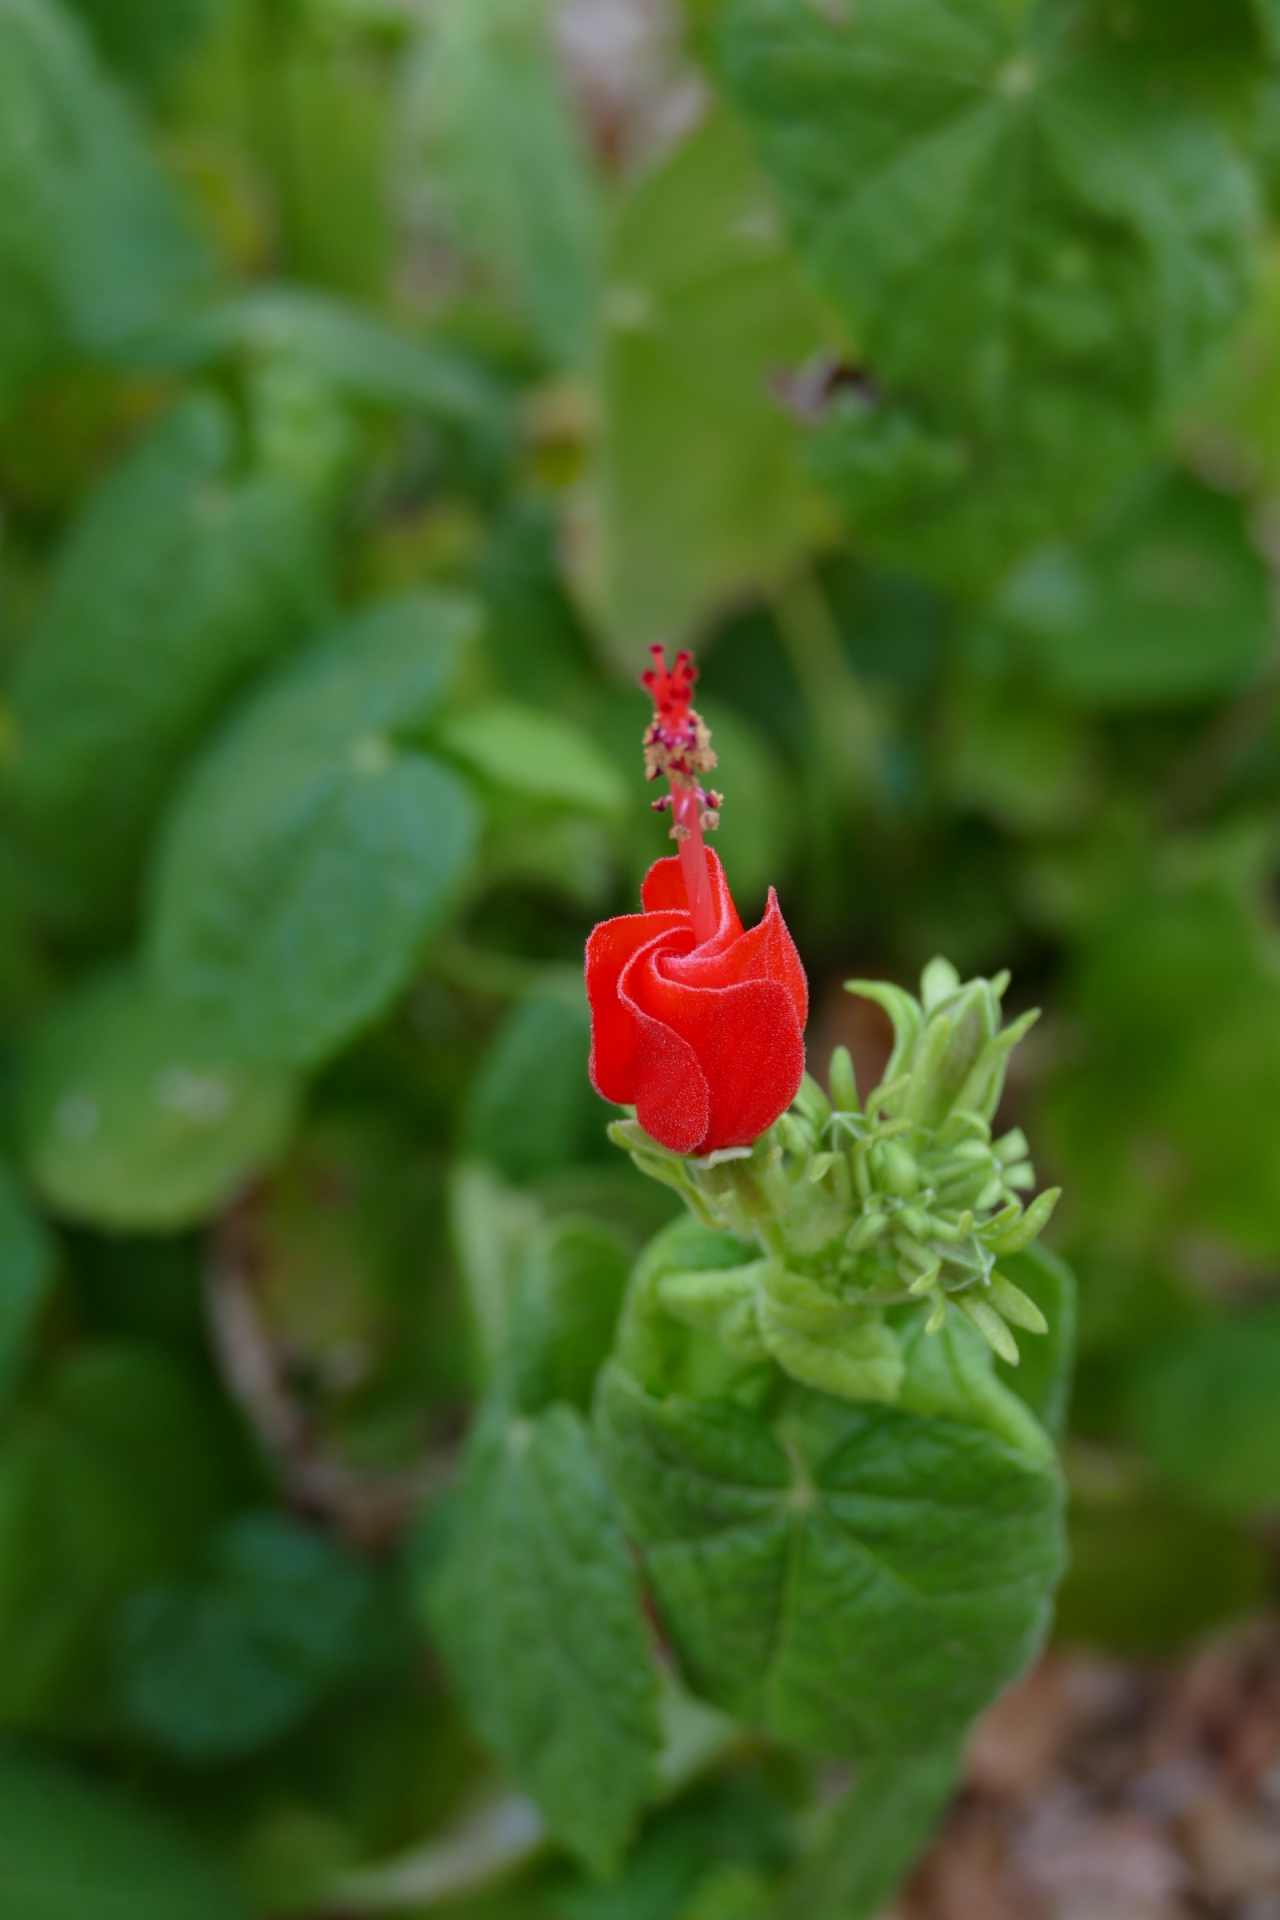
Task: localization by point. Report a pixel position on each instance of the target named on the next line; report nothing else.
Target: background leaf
(135, 1116)
(26, 1277)
(210, 1670)
(346, 347)
(147, 39)
(313, 851)
(182, 575)
(701, 493)
(569, 1286)
(511, 165)
(1208, 1412)
(533, 755)
(111, 1478)
(68, 1847)
(1168, 601)
(530, 1107)
(1177, 989)
(95, 249)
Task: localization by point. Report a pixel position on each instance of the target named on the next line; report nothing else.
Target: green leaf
(855, 1579)
(1086, 237)
(135, 1117)
(871, 1838)
(534, 755)
(1207, 1410)
(111, 1478)
(313, 851)
(508, 162)
(701, 494)
(68, 1847)
(95, 250)
(214, 1669)
(26, 1278)
(1167, 601)
(529, 1107)
(537, 1608)
(180, 577)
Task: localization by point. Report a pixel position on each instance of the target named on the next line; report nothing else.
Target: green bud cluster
(864, 1207)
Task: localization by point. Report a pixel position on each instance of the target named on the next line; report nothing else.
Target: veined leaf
(856, 1579)
(1086, 237)
(180, 577)
(538, 1609)
(134, 1117)
(313, 851)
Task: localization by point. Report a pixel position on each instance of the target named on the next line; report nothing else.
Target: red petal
(763, 952)
(663, 890)
(745, 1037)
(672, 1098)
(614, 1036)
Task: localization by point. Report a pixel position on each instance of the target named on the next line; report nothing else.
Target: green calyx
(870, 1215)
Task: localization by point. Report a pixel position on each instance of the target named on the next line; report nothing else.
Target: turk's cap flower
(704, 1038)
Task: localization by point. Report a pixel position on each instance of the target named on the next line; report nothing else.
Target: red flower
(706, 1040)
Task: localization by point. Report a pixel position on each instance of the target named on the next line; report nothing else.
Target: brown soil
(1103, 1790)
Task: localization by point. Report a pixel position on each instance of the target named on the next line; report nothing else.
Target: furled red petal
(672, 1098)
(744, 1036)
(663, 890)
(764, 952)
(614, 1036)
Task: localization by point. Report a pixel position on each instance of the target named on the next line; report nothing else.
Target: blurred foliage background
(377, 379)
